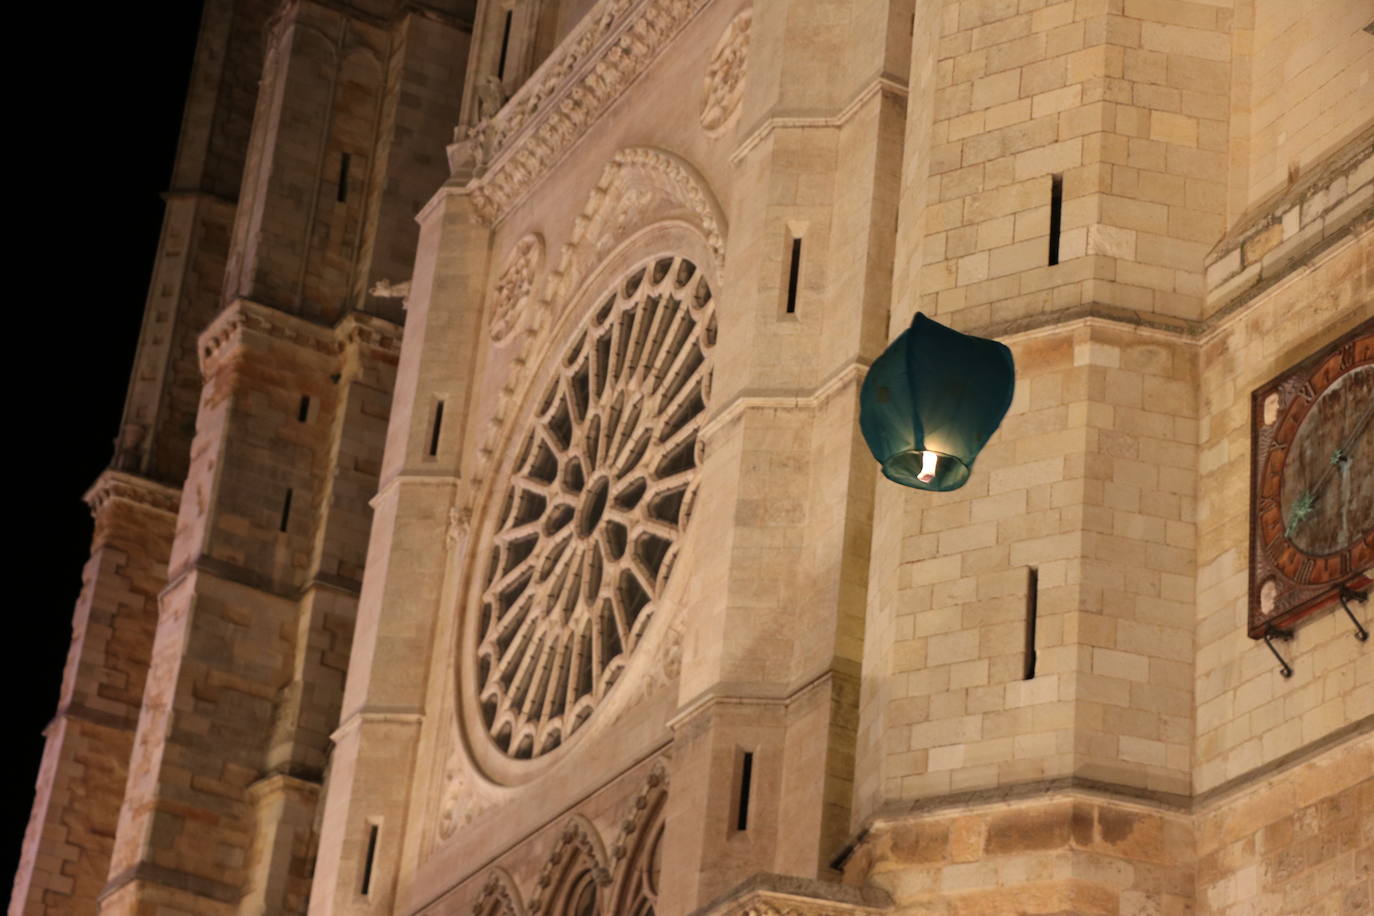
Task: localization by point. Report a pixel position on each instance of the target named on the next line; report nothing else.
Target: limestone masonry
(489, 530)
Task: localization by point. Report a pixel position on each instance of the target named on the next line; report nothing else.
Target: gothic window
(594, 508)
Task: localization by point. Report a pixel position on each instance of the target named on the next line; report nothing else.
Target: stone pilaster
(402, 617)
(66, 851)
(772, 645)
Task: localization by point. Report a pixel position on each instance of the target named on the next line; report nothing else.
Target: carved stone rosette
(515, 285)
(724, 85)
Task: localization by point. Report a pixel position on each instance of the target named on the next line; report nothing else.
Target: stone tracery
(591, 518)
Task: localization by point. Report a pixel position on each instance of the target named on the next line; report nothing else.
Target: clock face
(1312, 504)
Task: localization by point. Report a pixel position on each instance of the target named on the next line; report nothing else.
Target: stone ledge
(767, 894)
(1285, 230)
(142, 492)
(175, 879)
(242, 316)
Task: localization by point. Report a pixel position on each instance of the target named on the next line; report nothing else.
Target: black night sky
(96, 133)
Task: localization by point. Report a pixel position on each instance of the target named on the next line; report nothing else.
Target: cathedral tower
(582, 594)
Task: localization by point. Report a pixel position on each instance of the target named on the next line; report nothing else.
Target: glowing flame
(928, 462)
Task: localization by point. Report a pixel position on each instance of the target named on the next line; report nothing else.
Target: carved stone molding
(226, 332)
(579, 838)
(724, 85)
(119, 485)
(656, 783)
(362, 329)
(515, 286)
(612, 45)
(241, 316)
(767, 894)
(499, 896)
(638, 848)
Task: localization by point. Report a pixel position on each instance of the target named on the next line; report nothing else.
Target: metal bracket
(1270, 635)
(1349, 594)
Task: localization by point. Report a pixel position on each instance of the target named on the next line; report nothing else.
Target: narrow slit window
(303, 413)
(793, 272)
(286, 509)
(438, 427)
(746, 777)
(1056, 215)
(370, 859)
(505, 47)
(343, 177)
(1032, 600)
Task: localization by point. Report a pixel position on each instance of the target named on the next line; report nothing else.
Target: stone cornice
(851, 373)
(766, 894)
(880, 84)
(363, 329)
(120, 485)
(244, 316)
(1333, 199)
(614, 43)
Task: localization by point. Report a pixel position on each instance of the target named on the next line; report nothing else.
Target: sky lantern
(931, 402)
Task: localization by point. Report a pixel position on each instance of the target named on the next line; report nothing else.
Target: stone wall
(1300, 840)
(1077, 854)
(1248, 714)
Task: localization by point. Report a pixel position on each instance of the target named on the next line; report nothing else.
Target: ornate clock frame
(1300, 583)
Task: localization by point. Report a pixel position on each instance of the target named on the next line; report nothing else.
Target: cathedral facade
(490, 531)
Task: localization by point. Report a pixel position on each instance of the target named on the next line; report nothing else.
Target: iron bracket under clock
(1312, 489)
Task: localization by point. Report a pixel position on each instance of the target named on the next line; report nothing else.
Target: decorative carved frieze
(592, 67)
(725, 74)
(515, 285)
(118, 485)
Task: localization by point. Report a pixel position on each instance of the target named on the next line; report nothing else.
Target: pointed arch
(634, 891)
(499, 896)
(576, 877)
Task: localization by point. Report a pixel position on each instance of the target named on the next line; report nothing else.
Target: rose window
(596, 504)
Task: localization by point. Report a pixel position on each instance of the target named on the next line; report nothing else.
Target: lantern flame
(928, 462)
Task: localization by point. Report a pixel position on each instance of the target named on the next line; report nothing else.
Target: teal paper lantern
(931, 402)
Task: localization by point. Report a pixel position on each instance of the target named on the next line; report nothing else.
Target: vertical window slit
(746, 776)
(343, 177)
(303, 413)
(371, 858)
(505, 46)
(792, 275)
(1032, 598)
(286, 509)
(1056, 215)
(438, 425)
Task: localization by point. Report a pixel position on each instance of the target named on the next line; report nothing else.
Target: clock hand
(1342, 452)
(1306, 502)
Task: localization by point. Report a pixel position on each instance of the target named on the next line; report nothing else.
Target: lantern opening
(926, 469)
